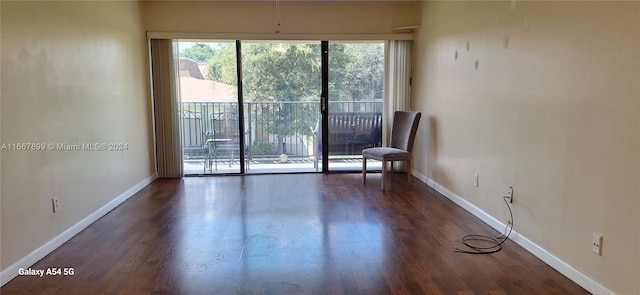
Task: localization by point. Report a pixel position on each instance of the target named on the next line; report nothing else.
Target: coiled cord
(491, 244)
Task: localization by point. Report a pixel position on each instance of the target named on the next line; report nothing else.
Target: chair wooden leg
(384, 173)
(364, 170)
(409, 172)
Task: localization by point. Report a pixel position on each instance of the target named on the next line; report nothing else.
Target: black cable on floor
(491, 244)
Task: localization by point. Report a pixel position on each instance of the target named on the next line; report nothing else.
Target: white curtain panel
(165, 106)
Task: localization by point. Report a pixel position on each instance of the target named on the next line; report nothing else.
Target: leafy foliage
(262, 148)
(291, 71)
(282, 72)
(356, 71)
(199, 52)
(222, 66)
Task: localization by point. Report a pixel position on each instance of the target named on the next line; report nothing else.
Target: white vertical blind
(165, 103)
(397, 79)
(398, 75)
(397, 94)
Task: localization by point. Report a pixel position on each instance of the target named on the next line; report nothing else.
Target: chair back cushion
(403, 131)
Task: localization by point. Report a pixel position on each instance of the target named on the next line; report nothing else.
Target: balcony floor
(272, 165)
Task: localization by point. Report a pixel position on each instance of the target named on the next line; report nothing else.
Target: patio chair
(193, 144)
(403, 133)
(224, 138)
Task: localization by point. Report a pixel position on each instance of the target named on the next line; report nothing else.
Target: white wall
(552, 108)
(72, 72)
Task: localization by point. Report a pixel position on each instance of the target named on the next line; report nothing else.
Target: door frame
(324, 104)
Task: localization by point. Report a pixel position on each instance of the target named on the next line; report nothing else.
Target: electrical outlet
(596, 245)
(510, 194)
(476, 180)
(56, 204)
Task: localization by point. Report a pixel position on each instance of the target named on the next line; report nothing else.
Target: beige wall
(552, 108)
(295, 17)
(72, 72)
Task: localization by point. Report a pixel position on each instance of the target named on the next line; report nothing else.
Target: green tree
(222, 66)
(357, 71)
(284, 73)
(288, 72)
(366, 70)
(291, 72)
(199, 52)
(281, 72)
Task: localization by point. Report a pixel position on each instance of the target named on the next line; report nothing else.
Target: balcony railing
(271, 128)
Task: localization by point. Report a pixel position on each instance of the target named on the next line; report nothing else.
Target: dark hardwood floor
(288, 234)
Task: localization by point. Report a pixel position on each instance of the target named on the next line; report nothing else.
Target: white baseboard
(562, 267)
(12, 271)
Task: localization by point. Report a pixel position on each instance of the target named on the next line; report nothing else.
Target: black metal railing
(271, 128)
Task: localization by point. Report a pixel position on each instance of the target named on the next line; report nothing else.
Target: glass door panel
(208, 107)
(356, 81)
(281, 93)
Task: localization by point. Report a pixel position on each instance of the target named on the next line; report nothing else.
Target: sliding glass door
(209, 108)
(356, 90)
(260, 106)
(281, 91)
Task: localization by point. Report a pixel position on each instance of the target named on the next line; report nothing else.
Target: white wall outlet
(476, 180)
(596, 245)
(510, 194)
(56, 204)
